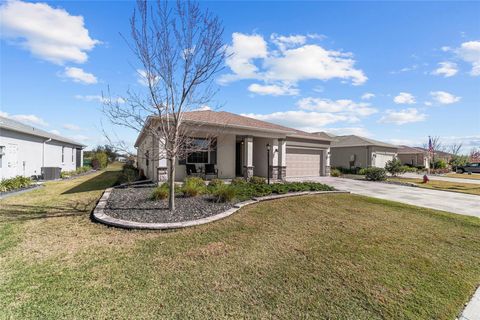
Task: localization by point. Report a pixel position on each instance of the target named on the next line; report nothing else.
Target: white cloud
(55, 132)
(405, 69)
(48, 33)
(203, 108)
(446, 69)
(99, 98)
(428, 103)
(26, 118)
(358, 131)
(470, 52)
(307, 121)
(274, 90)
(342, 105)
(295, 61)
(285, 42)
(404, 98)
(403, 116)
(445, 48)
(402, 142)
(368, 96)
(72, 127)
(80, 76)
(443, 97)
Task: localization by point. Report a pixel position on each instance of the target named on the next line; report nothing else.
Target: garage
(303, 162)
(381, 159)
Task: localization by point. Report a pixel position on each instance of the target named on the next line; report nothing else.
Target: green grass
(464, 176)
(468, 188)
(326, 256)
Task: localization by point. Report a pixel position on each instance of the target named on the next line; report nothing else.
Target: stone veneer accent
(274, 171)
(282, 173)
(327, 170)
(247, 172)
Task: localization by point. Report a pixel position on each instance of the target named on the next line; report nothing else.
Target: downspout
(43, 151)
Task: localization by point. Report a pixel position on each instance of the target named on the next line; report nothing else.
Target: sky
(392, 71)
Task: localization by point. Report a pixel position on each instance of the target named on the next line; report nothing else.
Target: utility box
(51, 173)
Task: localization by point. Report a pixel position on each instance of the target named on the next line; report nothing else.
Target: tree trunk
(171, 182)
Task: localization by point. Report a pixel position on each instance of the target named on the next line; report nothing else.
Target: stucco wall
(260, 156)
(29, 155)
(340, 157)
(226, 156)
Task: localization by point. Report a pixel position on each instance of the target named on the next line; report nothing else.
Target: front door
(238, 159)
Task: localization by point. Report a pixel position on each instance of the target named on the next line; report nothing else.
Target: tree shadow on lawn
(20, 212)
(100, 182)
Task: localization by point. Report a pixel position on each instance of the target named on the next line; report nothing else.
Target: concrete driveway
(460, 203)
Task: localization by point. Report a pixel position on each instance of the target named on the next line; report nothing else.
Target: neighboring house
(240, 149)
(416, 157)
(24, 150)
(446, 156)
(353, 151)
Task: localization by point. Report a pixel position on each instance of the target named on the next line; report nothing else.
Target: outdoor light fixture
(268, 163)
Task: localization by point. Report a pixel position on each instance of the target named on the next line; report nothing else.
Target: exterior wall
(226, 156)
(340, 156)
(260, 156)
(415, 159)
(148, 170)
(32, 155)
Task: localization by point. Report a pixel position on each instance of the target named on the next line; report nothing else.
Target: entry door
(303, 162)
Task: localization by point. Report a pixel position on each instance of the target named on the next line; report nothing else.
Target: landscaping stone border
(100, 216)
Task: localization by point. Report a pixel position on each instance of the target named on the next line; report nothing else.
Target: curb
(100, 216)
(15, 193)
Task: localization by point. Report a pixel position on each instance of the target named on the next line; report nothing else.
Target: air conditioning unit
(51, 173)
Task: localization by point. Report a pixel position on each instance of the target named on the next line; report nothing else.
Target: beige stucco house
(353, 151)
(413, 156)
(240, 149)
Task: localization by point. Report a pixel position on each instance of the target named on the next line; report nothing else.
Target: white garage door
(303, 162)
(381, 159)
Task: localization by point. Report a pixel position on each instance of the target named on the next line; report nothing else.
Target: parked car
(469, 168)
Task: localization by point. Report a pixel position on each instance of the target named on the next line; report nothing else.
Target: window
(198, 157)
(205, 150)
(63, 154)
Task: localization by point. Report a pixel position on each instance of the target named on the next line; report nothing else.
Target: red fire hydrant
(425, 179)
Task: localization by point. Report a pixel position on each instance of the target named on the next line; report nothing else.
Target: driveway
(442, 178)
(460, 203)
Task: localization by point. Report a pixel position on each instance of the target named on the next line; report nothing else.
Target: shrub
(193, 187)
(238, 181)
(440, 164)
(224, 193)
(83, 169)
(353, 170)
(257, 180)
(362, 171)
(17, 182)
(409, 169)
(375, 174)
(279, 188)
(160, 192)
(394, 167)
(335, 173)
(215, 183)
(99, 160)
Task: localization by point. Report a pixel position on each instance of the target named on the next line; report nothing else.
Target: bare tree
(433, 146)
(455, 148)
(180, 48)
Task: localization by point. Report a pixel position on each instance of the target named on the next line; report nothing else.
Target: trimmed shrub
(279, 188)
(394, 167)
(257, 180)
(215, 183)
(353, 170)
(160, 192)
(375, 174)
(224, 193)
(238, 181)
(193, 187)
(362, 171)
(440, 164)
(15, 183)
(335, 173)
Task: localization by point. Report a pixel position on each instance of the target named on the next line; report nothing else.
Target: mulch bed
(134, 204)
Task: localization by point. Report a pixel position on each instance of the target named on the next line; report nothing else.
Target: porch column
(248, 157)
(282, 159)
(274, 167)
(326, 158)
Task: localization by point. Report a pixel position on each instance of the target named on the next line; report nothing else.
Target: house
(25, 150)
(239, 148)
(351, 151)
(412, 156)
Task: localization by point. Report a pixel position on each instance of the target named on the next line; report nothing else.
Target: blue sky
(393, 71)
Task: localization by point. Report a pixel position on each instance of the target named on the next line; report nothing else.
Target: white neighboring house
(24, 150)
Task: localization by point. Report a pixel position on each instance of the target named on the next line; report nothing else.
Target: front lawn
(474, 176)
(469, 188)
(324, 256)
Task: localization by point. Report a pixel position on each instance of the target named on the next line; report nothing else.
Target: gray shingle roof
(13, 125)
(357, 141)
